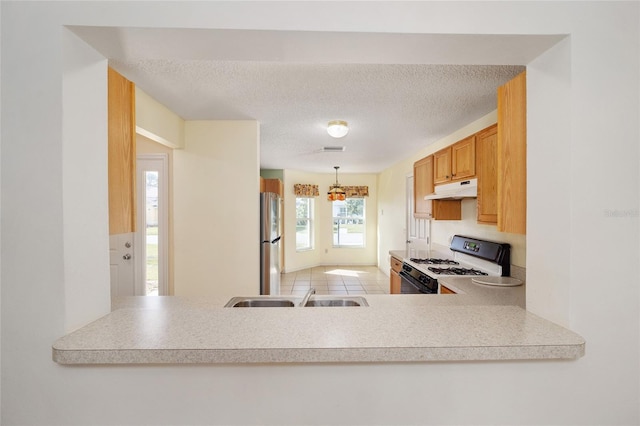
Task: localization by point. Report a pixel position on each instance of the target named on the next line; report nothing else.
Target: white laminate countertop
(394, 328)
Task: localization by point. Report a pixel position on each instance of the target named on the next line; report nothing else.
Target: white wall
(217, 209)
(589, 138)
(324, 253)
(84, 146)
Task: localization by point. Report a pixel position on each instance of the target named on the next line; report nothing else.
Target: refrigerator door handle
(276, 240)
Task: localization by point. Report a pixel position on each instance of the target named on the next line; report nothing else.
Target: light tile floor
(335, 280)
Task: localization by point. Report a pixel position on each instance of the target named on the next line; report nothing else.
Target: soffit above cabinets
(398, 92)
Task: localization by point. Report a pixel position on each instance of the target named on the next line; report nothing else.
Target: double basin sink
(291, 302)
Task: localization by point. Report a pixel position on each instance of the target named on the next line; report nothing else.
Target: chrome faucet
(307, 296)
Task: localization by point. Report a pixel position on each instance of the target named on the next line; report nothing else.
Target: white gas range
(469, 257)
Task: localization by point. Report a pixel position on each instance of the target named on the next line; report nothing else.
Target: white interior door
(152, 235)
(418, 230)
(121, 262)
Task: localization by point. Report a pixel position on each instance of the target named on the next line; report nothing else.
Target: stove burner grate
(435, 261)
(456, 271)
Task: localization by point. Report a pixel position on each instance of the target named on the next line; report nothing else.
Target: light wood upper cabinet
(456, 162)
(487, 173)
(447, 209)
(463, 159)
(122, 154)
(512, 156)
(422, 186)
(423, 173)
(442, 166)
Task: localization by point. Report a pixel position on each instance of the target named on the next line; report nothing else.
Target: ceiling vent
(333, 149)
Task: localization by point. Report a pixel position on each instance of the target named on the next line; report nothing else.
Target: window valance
(356, 191)
(305, 190)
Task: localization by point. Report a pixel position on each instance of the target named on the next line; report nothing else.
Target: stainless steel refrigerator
(269, 243)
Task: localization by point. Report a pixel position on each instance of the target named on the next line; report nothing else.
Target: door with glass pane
(152, 235)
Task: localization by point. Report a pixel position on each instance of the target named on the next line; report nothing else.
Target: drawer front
(396, 264)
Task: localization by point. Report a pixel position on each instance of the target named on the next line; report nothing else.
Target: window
(304, 223)
(348, 222)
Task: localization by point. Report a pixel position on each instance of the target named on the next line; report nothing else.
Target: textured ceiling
(393, 109)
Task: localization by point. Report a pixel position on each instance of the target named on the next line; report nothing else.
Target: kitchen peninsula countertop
(394, 328)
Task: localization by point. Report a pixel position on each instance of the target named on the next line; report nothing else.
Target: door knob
(126, 256)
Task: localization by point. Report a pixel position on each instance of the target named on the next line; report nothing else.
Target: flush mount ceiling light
(337, 128)
(336, 193)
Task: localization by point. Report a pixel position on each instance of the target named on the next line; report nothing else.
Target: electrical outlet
(326, 251)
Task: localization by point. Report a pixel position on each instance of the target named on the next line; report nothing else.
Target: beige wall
(216, 209)
(324, 253)
(392, 200)
(158, 123)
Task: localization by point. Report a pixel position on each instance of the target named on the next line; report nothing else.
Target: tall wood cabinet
(487, 174)
(121, 154)
(512, 155)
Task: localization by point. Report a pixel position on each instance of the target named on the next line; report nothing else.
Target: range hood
(455, 191)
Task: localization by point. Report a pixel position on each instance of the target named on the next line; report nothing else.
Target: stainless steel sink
(337, 301)
(261, 302)
(290, 302)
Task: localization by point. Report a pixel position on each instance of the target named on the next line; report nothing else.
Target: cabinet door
(442, 166)
(122, 154)
(394, 282)
(447, 209)
(463, 159)
(422, 185)
(512, 156)
(487, 173)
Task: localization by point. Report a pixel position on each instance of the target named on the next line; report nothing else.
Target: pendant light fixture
(336, 193)
(337, 128)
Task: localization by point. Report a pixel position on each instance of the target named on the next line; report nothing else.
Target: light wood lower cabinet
(445, 290)
(394, 278)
